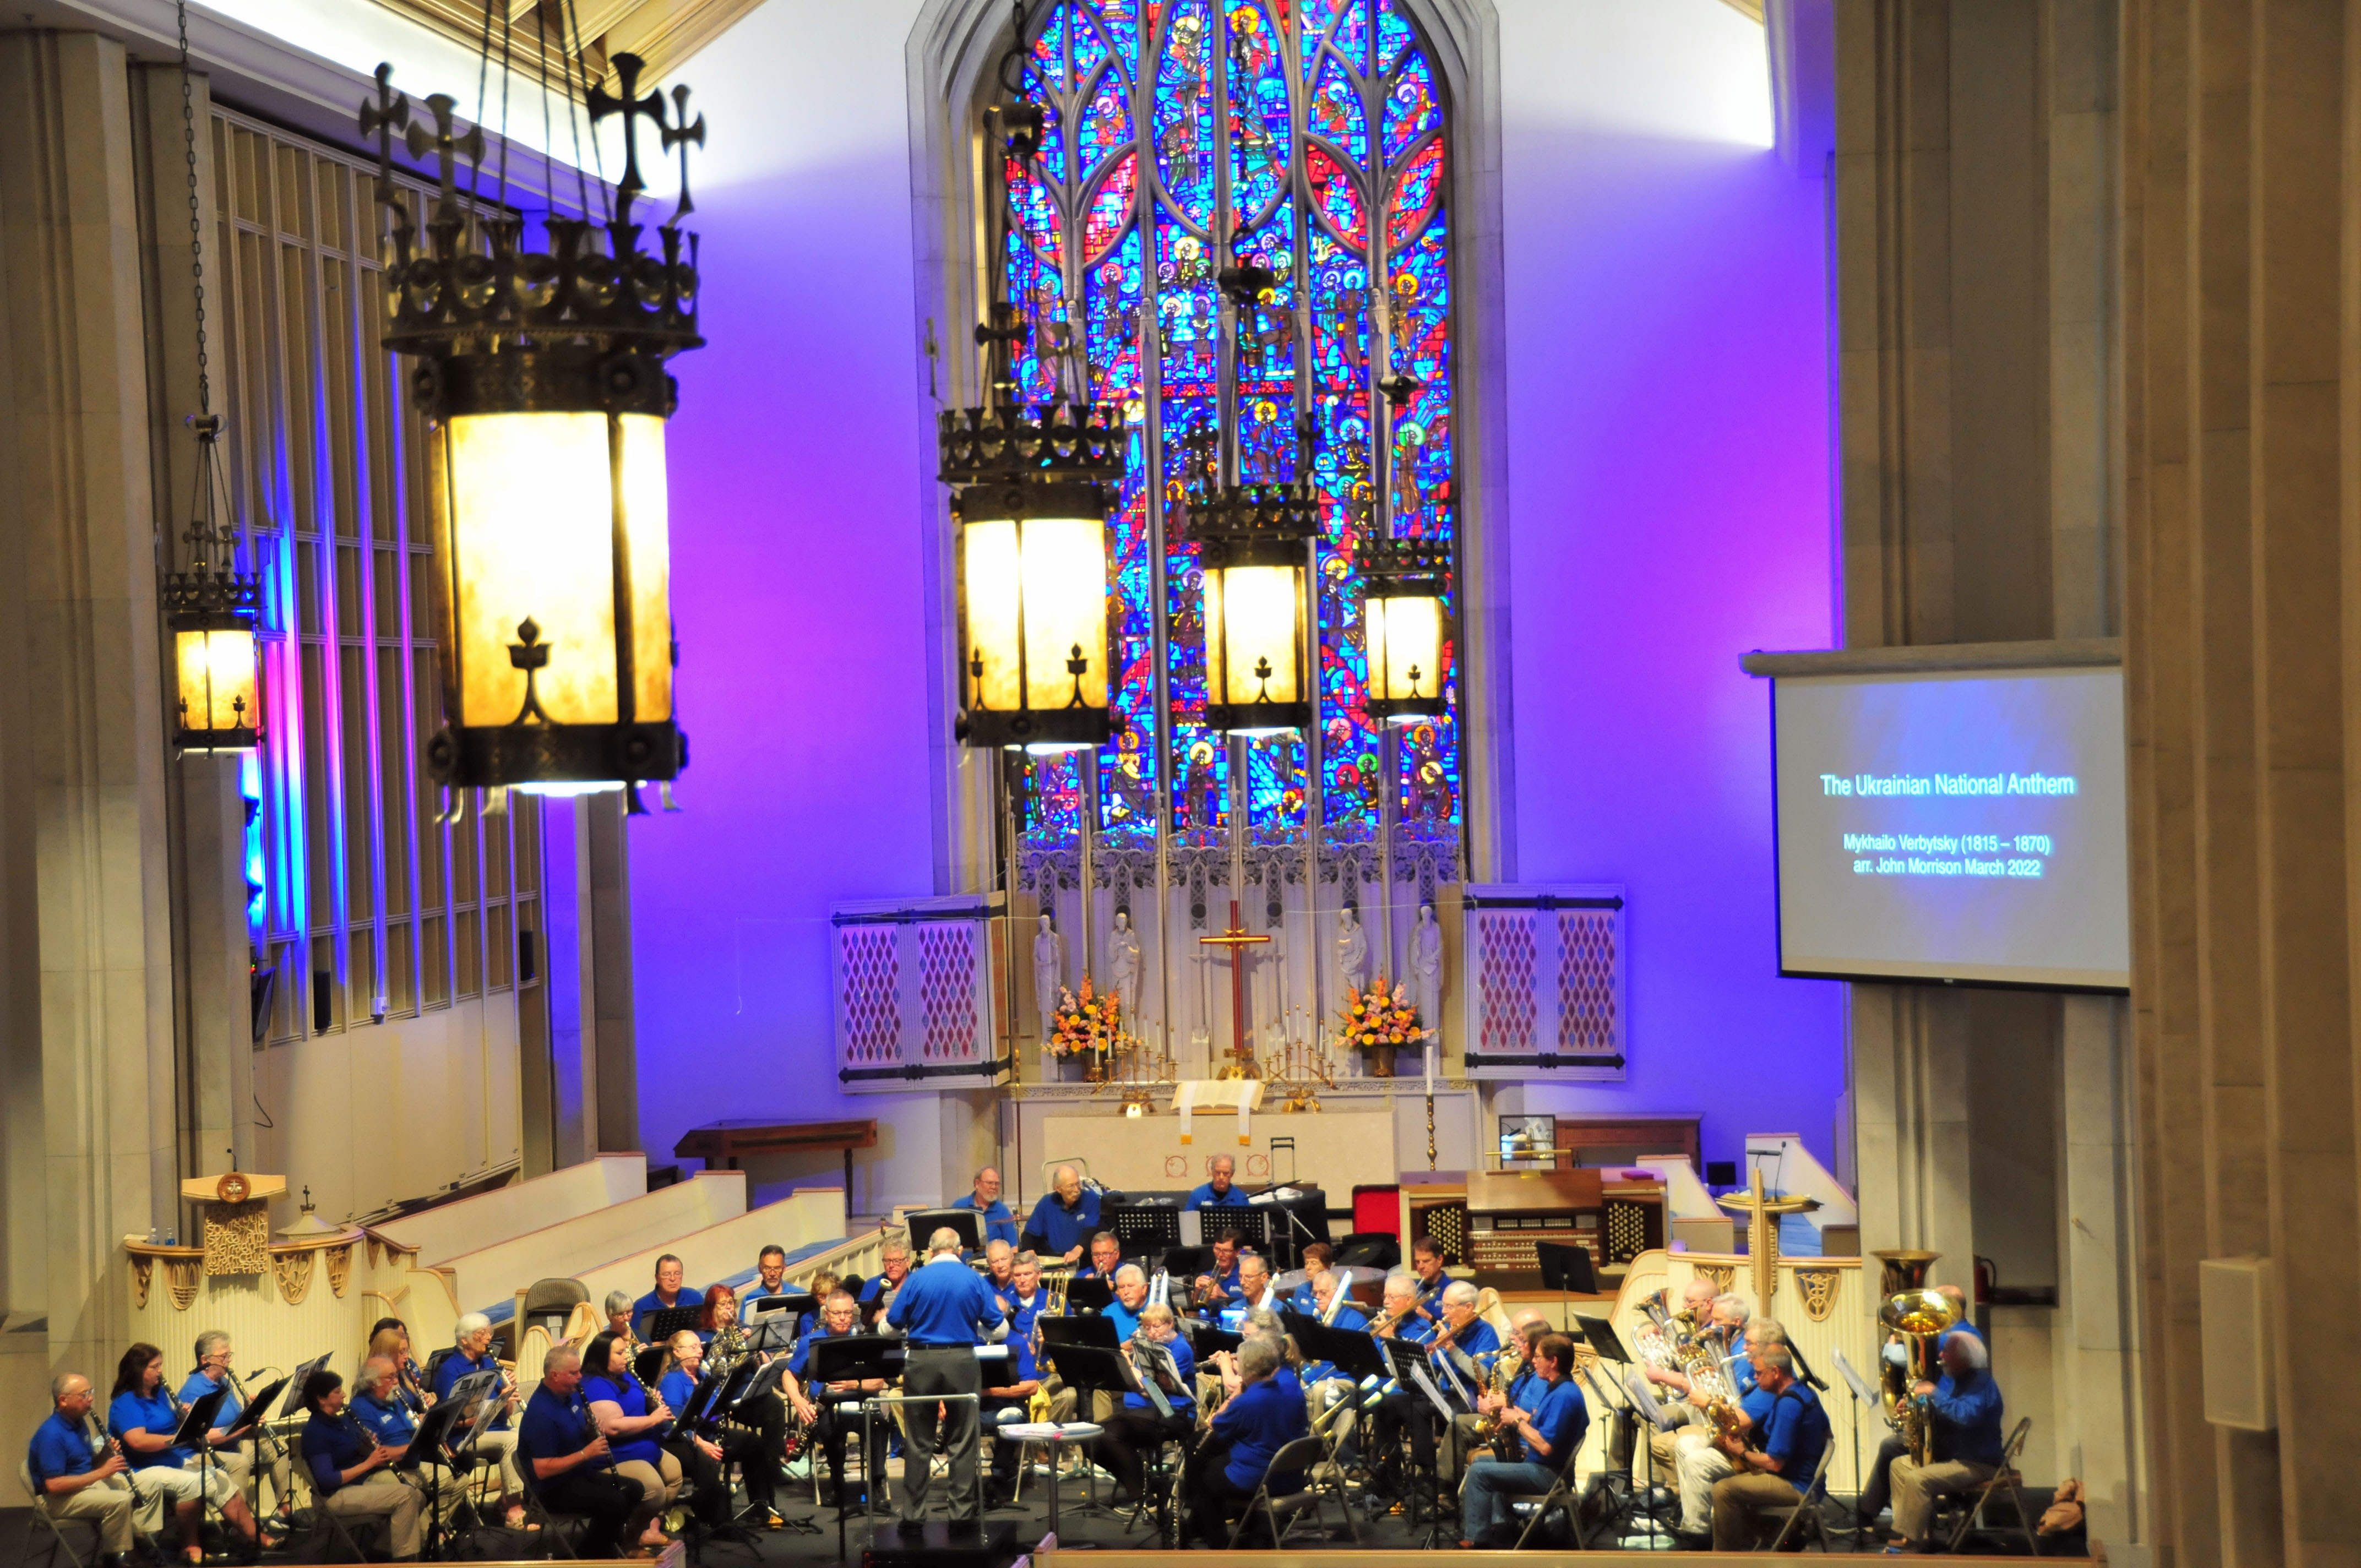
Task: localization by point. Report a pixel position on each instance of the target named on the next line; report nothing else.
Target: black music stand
(1096, 1332)
(1089, 1295)
(252, 1418)
(791, 1304)
(850, 1358)
(196, 1430)
(660, 1325)
(922, 1224)
(1625, 1403)
(294, 1399)
(1090, 1370)
(1351, 1351)
(428, 1444)
(1145, 1230)
(713, 1400)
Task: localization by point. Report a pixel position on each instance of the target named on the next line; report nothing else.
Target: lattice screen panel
(918, 993)
(1545, 991)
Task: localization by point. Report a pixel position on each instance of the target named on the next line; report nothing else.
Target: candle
(1429, 1069)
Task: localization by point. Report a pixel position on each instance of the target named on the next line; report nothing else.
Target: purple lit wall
(1668, 509)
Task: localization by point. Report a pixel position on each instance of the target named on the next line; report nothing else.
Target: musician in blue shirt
(1065, 1215)
(1009, 1387)
(1426, 1265)
(1265, 1415)
(1963, 1409)
(1130, 1298)
(378, 1409)
(1107, 1256)
(703, 1452)
(1794, 1436)
(144, 1420)
(1138, 1424)
(1895, 1353)
(573, 1466)
(1218, 1193)
(472, 1352)
(999, 1224)
(75, 1473)
(1545, 1431)
(944, 1312)
(832, 1410)
(893, 1261)
(1324, 1286)
(350, 1471)
(671, 1294)
(228, 1435)
(1458, 1329)
(1218, 1286)
(1315, 1257)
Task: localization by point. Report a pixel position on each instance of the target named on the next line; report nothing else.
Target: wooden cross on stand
(1241, 1063)
(1763, 1212)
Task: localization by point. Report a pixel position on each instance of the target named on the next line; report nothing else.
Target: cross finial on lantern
(679, 134)
(390, 113)
(447, 148)
(631, 106)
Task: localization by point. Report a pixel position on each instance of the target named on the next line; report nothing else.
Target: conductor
(944, 1311)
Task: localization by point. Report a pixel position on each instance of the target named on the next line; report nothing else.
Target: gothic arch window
(1310, 137)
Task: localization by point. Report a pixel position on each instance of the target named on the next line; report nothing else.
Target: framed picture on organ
(1543, 995)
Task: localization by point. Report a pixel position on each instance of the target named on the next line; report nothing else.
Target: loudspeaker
(2233, 1310)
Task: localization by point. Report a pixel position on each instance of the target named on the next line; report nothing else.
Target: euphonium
(1917, 1319)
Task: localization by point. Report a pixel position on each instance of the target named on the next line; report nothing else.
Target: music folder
(427, 1440)
(661, 1325)
(252, 1415)
(197, 1420)
(922, 1224)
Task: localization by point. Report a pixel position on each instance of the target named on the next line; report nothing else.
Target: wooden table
(722, 1144)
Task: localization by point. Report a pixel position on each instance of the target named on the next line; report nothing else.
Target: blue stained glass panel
(1394, 35)
(1411, 108)
(1185, 149)
(1334, 111)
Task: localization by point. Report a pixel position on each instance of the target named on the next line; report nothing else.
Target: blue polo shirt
(876, 1287)
(1204, 1197)
(1228, 1282)
(1125, 1321)
(458, 1364)
(1185, 1401)
(800, 1363)
(1061, 1229)
(553, 1428)
(675, 1389)
(60, 1449)
(1741, 1370)
(625, 1393)
(1795, 1432)
(385, 1420)
(1305, 1299)
(1560, 1417)
(1264, 1417)
(945, 1304)
(198, 1385)
(999, 1224)
(332, 1445)
(152, 1414)
(1967, 1413)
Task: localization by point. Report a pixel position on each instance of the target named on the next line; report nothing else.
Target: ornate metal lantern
(542, 377)
(1034, 487)
(1406, 627)
(1253, 549)
(210, 614)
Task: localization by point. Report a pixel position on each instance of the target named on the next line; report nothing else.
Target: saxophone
(1506, 1369)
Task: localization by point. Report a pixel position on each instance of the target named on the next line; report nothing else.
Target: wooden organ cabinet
(1489, 1220)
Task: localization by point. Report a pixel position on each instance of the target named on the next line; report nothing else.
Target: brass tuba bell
(1917, 1319)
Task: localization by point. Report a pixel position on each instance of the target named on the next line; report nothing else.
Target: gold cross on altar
(1241, 1063)
(1762, 1213)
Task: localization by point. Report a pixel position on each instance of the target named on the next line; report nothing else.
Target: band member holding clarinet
(144, 1417)
(78, 1473)
(573, 1469)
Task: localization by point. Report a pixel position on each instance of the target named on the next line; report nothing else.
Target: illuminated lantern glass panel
(1035, 579)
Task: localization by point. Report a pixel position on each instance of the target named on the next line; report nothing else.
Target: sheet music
(1860, 1388)
(1425, 1384)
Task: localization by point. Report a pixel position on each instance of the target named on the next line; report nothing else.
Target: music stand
(762, 1309)
(666, 1321)
(427, 1445)
(1351, 1351)
(1096, 1332)
(1864, 1397)
(857, 1358)
(1145, 1230)
(925, 1223)
(1091, 1295)
(776, 1335)
(1635, 1404)
(295, 1385)
(1568, 1270)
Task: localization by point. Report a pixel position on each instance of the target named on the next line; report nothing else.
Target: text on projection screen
(1960, 826)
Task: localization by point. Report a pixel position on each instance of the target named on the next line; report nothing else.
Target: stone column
(607, 997)
(77, 516)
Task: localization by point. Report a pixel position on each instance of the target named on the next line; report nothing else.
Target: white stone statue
(1123, 969)
(1049, 973)
(1426, 969)
(1352, 949)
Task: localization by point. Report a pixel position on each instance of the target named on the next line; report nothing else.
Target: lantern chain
(196, 222)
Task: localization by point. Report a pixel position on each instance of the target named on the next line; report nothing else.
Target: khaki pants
(237, 1463)
(1740, 1500)
(380, 1493)
(504, 1445)
(658, 1482)
(1700, 1465)
(105, 1506)
(1915, 1487)
(440, 1491)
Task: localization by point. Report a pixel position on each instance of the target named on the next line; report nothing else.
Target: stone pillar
(607, 993)
(77, 516)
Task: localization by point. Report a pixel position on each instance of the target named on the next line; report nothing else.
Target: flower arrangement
(1087, 1022)
(1382, 1018)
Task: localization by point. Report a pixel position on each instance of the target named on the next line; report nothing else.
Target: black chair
(2003, 1479)
(1370, 1249)
(1560, 1493)
(1283, 1513)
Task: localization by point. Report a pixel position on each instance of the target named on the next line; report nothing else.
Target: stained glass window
(1307, 137)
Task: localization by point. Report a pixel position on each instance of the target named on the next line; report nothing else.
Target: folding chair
(1283, 1512)
(1807, 1507)
(2005, 1477)
(553, 1525)
(56, 1528)
(1561, 1491)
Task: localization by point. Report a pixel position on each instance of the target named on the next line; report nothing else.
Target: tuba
(1917, 1319)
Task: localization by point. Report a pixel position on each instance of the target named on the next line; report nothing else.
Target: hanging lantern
(1033, 488)
(1254, 551)
(1406, 627)
(209, 615)
(542, 377)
